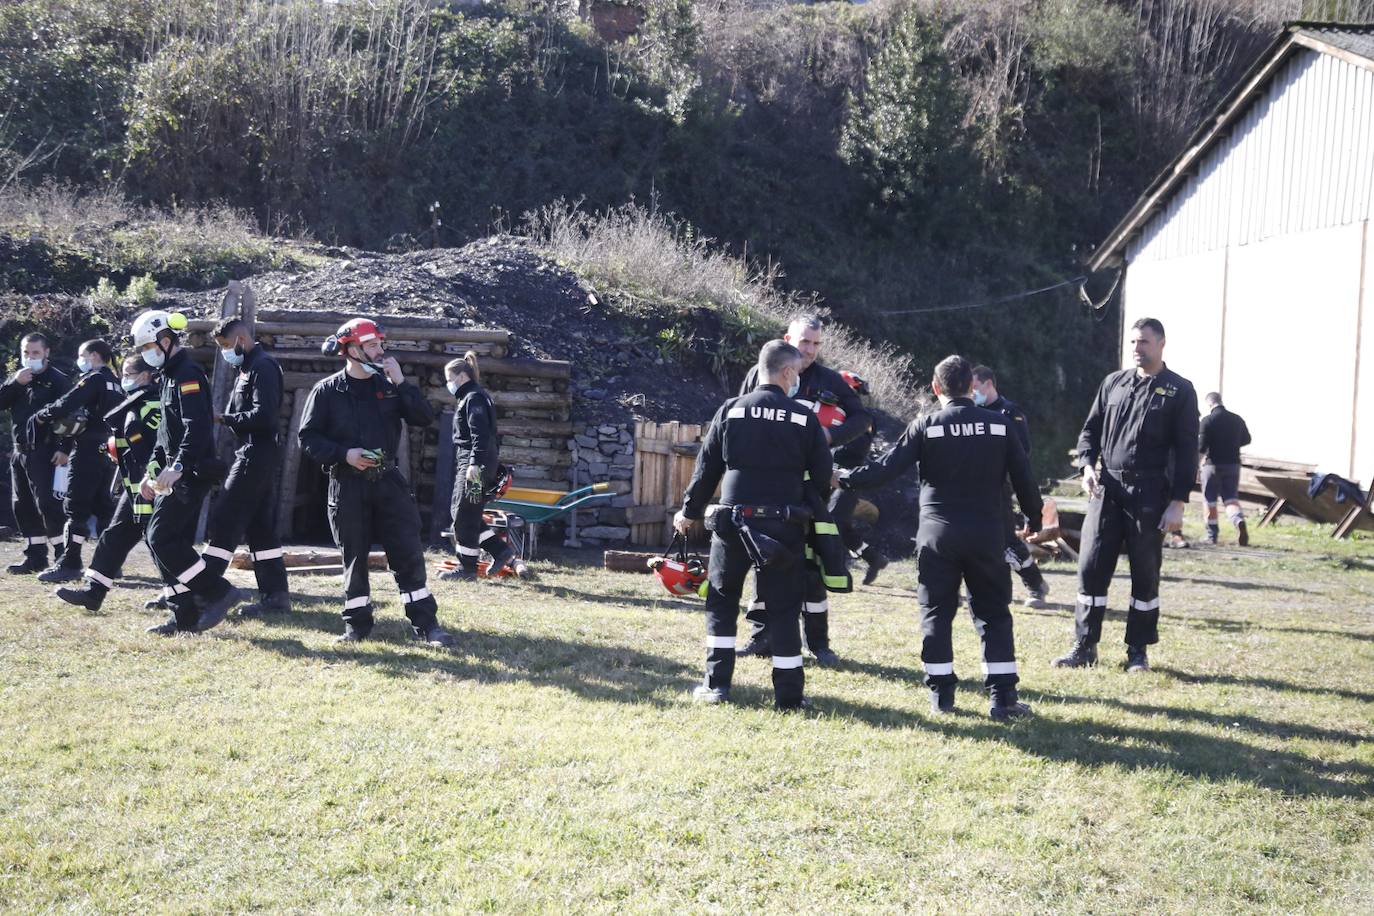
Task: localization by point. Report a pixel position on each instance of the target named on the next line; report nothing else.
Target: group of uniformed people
(784, 492)
(150, 436)
(789, 454)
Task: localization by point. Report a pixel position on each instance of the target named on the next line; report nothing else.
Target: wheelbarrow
(532, 507)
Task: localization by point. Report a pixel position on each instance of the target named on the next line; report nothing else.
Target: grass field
(553, 763)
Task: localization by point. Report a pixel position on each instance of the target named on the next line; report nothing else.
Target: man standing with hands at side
(1143, 428)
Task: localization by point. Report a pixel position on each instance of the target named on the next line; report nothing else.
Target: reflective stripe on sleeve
(827, 528)
(787, 662)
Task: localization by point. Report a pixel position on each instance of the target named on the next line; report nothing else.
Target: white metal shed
(1253, 247)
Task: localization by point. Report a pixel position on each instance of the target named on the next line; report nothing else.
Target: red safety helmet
(856, 381)
(680, 573)
(112, 450)
(501, 484)
(830, 414)
(354, 331)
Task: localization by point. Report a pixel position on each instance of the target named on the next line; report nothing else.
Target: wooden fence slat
(443, 477)
(291, 466)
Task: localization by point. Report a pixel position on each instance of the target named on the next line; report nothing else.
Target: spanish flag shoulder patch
(190, 387)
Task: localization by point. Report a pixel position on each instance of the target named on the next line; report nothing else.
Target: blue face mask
(83, 364)
(232, 356)
(796, 386)
(155, 357)
(130, 385)
(979, 398)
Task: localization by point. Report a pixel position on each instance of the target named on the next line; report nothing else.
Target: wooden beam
(629, 561)
(291, 465)
(275, 322)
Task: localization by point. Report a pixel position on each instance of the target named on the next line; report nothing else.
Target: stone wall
(604, 452)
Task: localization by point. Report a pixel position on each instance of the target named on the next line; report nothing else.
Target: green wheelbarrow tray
(535, 506)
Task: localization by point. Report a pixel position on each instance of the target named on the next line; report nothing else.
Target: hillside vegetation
(900, 160)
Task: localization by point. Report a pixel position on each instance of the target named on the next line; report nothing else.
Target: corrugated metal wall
(1301, 159)
(1255, 265)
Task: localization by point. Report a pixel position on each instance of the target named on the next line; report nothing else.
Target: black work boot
(168, 627)
(433, 635)
(1137, 659)
(1005, 705)
(1037, 596)
(876, 564)
(215, 610)
(710, 695)
(353, 633)
(499, 561)
(270, 603)
(1242, 534)
(89, 597)
(1213, 531)
(459, 574)
(1082, 655)
(60, 573)
(757, 645)
(27, 566)
(942, 699)
(826, 657)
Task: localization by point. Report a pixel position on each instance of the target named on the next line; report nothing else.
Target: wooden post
(291, 467)
(219, 390)
(443, 478)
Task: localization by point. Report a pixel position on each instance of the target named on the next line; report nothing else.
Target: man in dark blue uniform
(1018, 554)
(187, 468)
(246, 507)
(848, 428)
(1143, 429)
(95, 394)
(352, 426)
(765, 451)
(963, 455)
(37, 511)
(135, 421)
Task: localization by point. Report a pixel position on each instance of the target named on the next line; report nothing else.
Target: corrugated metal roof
(1171, 189)
(1357, 39)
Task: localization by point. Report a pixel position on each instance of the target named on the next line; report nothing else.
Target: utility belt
(763, 551)
(723, 518)
(1131, 477)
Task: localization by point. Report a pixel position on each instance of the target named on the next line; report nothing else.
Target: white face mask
(369, 368)
(83, 364)
(796, 386)
(453, 388)
(129, 385)
(154, 357)
(232, 357)
(33, 365)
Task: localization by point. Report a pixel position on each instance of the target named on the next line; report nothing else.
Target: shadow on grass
(1238, 584)
(1103, 745)
(1264, 683)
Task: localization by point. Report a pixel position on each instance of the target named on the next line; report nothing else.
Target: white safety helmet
(149, 324)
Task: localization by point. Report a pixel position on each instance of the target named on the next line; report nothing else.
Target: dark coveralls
(345, 413)
(247, 503)
(963, 455)
(37, 512)
(88, 485)
(760, 449)
(186, 436)
(849, 443)
(1144, 430)
(136, 422)
(1018, 554)
(475, 441)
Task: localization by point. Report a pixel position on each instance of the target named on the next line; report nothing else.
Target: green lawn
(553, 763)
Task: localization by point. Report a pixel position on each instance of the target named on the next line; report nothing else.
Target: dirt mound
(500, 282)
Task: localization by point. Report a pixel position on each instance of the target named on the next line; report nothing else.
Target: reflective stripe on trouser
(246, 511)
(1123, 516)
(780, 592)
(37, 513)
(815, 618)
(957, 557)
(115, 543)
(471, 532)
(171, 538)
(361, 511)
(88, 495)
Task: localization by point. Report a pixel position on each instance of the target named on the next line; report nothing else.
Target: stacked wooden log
(532, 400)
